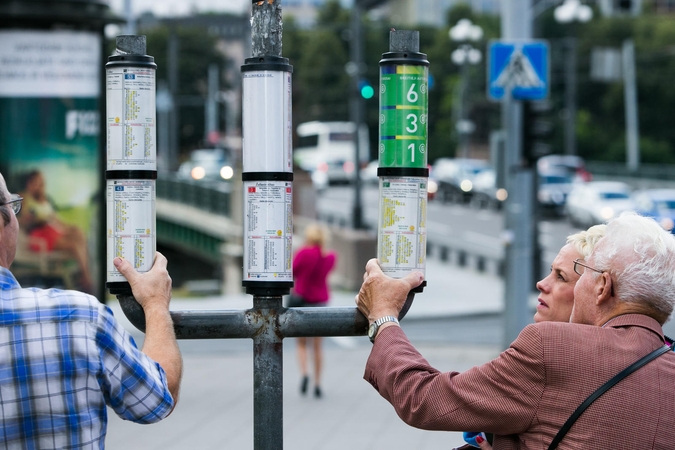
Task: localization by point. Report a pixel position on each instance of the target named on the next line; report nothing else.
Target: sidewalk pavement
(215, 410)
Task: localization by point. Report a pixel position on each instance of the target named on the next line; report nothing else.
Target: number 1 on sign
(411, 147)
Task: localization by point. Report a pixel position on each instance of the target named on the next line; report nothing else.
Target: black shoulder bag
(604, 388)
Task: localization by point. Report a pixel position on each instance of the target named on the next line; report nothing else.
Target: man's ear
(604, 288)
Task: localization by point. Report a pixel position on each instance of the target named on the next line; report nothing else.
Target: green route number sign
(403, 116)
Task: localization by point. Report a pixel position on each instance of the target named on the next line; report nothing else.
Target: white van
(326, 150)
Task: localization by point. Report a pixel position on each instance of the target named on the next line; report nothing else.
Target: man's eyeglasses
(579, 267)
(14, 202)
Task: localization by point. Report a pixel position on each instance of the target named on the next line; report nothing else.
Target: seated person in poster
(40, 221)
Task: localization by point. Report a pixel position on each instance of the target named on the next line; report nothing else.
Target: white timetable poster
(268, 221)
(130, 106)
(131, 208)
(403, 229)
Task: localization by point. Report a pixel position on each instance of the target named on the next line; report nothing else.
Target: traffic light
(624, 5)
(537, 131)
(366, 89)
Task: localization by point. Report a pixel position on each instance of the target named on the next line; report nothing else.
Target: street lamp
(571, 11)
(464, 56)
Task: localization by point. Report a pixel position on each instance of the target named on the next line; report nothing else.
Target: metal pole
(268, 399)
(356, 109)
(630, 94)
(211, 106)
(130, 28)
(571, 96)
(268, 432)
(174, 113)
(463, 107)
(516, 24)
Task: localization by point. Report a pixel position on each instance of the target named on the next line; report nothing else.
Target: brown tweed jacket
(525, 395)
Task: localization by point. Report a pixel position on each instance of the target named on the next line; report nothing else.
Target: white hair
(640, 255)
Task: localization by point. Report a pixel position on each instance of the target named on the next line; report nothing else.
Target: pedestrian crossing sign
(519, 69)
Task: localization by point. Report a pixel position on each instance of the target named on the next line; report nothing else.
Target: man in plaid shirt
(64, 356)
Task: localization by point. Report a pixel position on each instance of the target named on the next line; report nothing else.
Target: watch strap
(379, 322)
(386, 319)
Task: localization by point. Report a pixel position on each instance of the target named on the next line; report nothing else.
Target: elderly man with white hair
(625, 293)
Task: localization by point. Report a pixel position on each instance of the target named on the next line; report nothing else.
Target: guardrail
(206, 195)
(466, 249)
(195, 216)
(647, 176)
(463, 250)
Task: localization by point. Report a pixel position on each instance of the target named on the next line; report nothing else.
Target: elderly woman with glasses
(556, 290)
(556, 294)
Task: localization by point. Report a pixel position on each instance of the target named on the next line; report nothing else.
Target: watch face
(371, 330)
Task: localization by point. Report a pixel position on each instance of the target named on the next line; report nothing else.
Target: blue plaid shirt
(63, 357)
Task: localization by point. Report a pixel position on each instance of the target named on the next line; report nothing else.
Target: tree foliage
(322, 87)
(600, 120)
(196, 51)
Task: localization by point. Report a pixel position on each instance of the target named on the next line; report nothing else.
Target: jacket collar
(640, 320)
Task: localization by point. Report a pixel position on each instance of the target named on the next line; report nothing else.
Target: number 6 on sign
(412, 95)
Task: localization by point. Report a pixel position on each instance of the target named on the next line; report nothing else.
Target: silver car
(597, 202)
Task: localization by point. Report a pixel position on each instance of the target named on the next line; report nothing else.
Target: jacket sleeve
(500, 396)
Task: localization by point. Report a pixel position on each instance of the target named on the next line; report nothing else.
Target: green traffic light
(367, 92)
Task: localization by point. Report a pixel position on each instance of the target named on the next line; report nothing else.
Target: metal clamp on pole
(403, 171)
(131, 152)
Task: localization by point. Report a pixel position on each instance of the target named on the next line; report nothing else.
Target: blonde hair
(316, 234)
(584, 241)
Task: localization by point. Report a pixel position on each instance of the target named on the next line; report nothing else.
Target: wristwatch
(372, 330)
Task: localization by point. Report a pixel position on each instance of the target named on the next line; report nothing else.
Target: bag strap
(604, 388)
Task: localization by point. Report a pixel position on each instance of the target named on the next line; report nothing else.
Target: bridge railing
(206, 195)
(647, 176)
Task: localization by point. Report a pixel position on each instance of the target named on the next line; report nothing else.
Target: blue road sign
(519, 69)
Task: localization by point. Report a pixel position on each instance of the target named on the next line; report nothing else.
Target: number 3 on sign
(412, 128)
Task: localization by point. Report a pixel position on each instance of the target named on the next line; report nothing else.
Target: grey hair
(584, 241)
(5, 211)
(641, 256)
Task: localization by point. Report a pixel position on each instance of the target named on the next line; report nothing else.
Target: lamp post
(464, 56)
(570, 11)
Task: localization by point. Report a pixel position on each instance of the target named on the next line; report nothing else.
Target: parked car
(572, 164)
(369, 173)
(455, 177)
(432, 186)
(485, 191)
(659, 204)
(554, 187)
(597, 202)
(208, 164)
(332, 172)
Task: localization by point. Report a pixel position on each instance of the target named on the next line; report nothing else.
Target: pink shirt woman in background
(311, 266)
